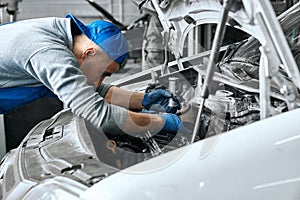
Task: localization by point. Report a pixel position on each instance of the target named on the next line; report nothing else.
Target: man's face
(96, 66)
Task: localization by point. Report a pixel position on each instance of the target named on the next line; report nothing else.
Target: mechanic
(63, 57)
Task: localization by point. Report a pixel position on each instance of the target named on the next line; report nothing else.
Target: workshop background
(125, 11)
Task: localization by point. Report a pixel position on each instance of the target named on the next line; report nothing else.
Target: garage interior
(238, 91)
(125, 12)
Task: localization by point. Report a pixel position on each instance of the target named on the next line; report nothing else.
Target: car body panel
(258, 161)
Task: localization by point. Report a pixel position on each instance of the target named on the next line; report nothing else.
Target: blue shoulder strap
(12, 98)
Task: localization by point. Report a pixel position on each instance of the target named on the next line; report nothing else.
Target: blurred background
(123, 10)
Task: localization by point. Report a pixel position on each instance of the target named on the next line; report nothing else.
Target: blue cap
(107, 36)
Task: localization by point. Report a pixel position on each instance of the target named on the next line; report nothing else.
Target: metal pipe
(121, 10)
(2, 137)
(173, 81)
(164, 67)
(213, 59)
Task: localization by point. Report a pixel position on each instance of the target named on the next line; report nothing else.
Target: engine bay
(220, 90)
(232, 103)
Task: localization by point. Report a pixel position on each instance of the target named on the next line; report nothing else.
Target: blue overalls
(12, 98)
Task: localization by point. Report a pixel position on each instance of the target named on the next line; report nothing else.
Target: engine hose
(187, 109)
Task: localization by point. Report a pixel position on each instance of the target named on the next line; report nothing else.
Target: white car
(246, 144)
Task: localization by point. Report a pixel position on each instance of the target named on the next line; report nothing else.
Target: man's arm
(141, 122)
(156, 100)
(126, 99)
(66, 80)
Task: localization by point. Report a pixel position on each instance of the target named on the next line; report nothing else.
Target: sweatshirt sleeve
(103, 89)
(57, 68)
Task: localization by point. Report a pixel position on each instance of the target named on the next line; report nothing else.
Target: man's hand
(158, 100)
(172, 123)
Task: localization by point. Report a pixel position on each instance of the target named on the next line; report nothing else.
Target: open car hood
(256, 157)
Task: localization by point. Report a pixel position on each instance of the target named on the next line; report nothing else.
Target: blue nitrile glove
(172, 123)
(158, 100)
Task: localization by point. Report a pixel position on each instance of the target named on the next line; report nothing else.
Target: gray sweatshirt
(39, 52)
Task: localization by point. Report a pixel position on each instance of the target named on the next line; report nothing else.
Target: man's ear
(88, 52)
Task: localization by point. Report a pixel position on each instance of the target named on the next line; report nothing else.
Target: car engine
(232, 103)
(239, 93)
